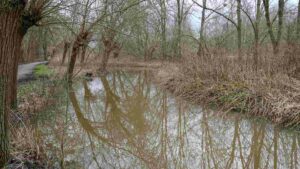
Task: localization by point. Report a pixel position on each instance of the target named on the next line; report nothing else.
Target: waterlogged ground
(123, 121)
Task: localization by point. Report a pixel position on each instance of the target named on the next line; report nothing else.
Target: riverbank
(226, 87)
(274, 97)
(121, 106)
(222, 83)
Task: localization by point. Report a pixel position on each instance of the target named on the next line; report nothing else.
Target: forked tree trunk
(10, 51)
(275, 41)
(269, 24)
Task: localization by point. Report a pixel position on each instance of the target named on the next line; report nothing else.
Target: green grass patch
(43, 71)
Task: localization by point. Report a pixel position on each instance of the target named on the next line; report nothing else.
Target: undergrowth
(270, 90)
(38, 102)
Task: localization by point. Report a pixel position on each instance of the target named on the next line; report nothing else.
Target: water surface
(123, 121)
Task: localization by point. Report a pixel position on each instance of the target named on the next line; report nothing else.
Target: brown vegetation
(227, 84)
(27, 146)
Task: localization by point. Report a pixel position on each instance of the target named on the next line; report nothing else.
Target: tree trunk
(298, 22)
(256, 33)
(66, 48)
(117, 51)
(79, 41)
(13, 27)
(31, 47)
(201, 39)
(105, 60)
(10, 51)
(108, 48)
(45, 44)
(239, 28)
(83, 53)
(163, 18)
(179, 25)
(275, 42)
(72, 63)
(45, 49)
(269, 24)
(280, 23)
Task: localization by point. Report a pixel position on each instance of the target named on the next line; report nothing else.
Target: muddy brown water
(124, 121)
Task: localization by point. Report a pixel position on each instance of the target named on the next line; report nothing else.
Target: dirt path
(25, 71)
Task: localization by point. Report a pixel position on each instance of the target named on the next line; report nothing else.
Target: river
(124, 121)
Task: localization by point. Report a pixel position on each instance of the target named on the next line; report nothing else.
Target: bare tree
(275, 41)
(201, 38)
(80, 40)
(238, 24)
(179, 20)
(85, 33)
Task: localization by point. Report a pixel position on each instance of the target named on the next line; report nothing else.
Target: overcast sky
(195, 17)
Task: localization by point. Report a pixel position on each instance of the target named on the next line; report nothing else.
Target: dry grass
(27, 145)
(228, 84)
(27, 148)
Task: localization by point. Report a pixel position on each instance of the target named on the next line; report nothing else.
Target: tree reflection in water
(123, 121)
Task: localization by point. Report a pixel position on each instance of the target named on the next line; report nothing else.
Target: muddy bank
(279, 103)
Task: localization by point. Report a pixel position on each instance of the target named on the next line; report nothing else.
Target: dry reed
(270, 89)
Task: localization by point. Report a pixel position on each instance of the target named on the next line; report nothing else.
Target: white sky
(195, 17)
